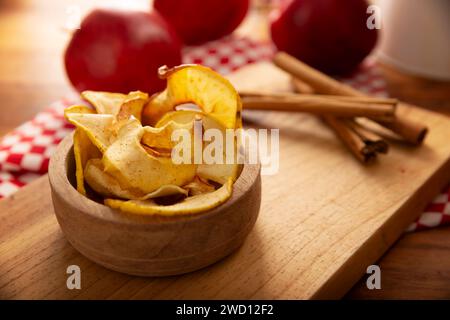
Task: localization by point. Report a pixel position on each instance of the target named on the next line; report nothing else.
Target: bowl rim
(60, 184)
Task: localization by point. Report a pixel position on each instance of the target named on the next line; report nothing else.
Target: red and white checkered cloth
(25, 152)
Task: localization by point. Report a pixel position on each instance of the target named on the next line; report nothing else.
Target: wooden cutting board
(324, 218)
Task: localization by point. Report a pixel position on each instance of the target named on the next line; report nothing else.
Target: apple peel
(199, 85)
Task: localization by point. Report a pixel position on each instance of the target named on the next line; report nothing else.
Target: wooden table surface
(32, 39)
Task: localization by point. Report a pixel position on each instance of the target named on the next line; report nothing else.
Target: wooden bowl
(151, 245)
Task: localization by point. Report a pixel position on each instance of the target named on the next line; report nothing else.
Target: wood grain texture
(324, 218)
(417, 267)
(151, 245)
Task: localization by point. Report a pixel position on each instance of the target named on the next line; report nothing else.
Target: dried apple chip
(161, 137)
(96, 126)
(120, 106)
(132, 105)
(164, 191)
(131, 164)
(117, 104)
(83, 150)
(77, 109)
(189, 205)
(198, 186)
(188, 116)
(105, 184)
(108, 186)
(104, 102)
(199, 85)
(217, 172)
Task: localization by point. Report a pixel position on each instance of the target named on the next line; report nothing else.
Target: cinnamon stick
(373, 141)
(321, 83)
(365, 99)
(412, 132)
(351, 140)
(363, 144)
(302, 87)
(320, 106)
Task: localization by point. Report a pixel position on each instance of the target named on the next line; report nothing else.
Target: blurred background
(34, 34)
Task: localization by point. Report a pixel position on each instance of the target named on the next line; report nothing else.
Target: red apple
(198, 21)
(330, 35)
(121, 51)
